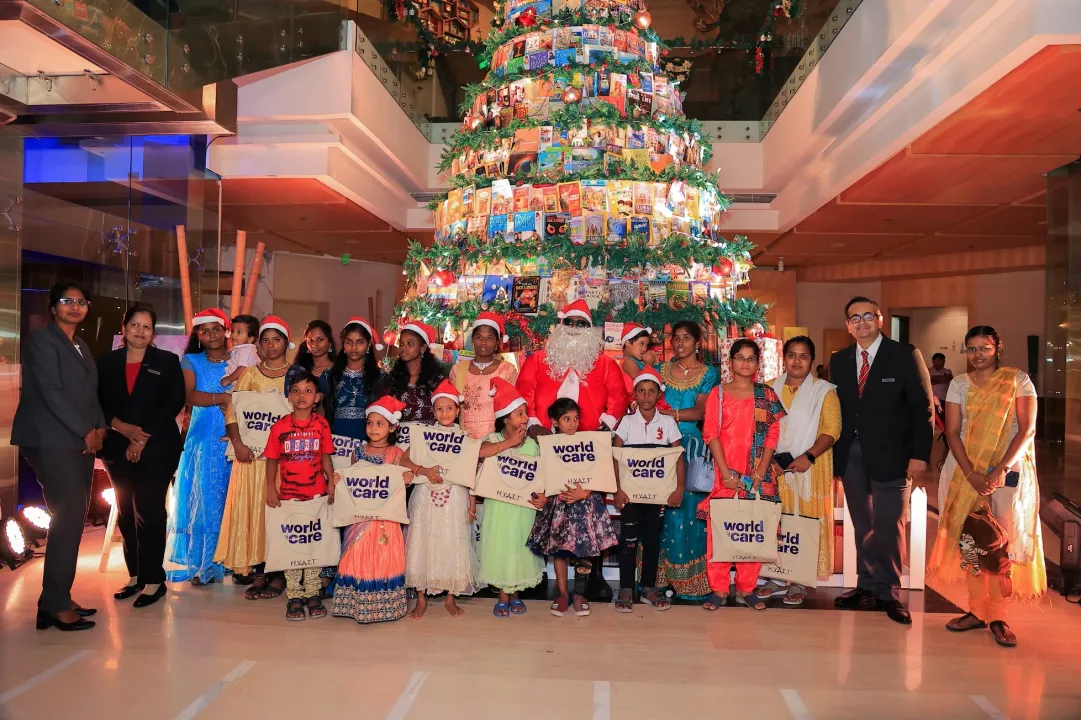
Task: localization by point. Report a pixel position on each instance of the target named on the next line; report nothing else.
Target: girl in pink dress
(473, 377)
(741, 427)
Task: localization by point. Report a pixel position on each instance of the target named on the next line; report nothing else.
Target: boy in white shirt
(640, 524)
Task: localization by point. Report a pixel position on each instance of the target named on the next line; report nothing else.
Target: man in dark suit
(886, 433)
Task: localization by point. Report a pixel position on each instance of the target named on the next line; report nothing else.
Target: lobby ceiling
(973, 182)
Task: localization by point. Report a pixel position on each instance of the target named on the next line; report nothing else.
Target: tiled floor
(208, 653)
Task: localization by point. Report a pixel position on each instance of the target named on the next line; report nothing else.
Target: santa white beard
(571, 348)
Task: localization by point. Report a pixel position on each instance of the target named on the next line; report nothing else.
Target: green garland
(562, 74)
(693, 176)
(627, 258)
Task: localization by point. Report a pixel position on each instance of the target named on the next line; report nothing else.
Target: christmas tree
(575, 174)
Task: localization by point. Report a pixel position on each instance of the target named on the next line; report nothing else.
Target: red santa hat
(210, 315)
(648, 373)
(578, 309)
(448, 390)
(357, 320)
(631, 329)
(426, 332)
(273, 322)
(389, 407)
(493, 321)
(505, 398)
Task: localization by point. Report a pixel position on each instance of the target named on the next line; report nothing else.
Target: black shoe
(896, 611)
(47, 620)
(145, 600)
(127, 591)
(84, 612)
(858, 599)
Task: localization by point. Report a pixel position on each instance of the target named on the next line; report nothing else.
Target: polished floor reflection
(208, 653)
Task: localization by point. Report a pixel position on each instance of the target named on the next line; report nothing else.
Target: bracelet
(677, 415)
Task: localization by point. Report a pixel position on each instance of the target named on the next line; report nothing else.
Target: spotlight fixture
(14, 550)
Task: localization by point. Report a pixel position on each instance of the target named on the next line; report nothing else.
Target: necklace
(686, 371)
(483, 366)
(267, 367)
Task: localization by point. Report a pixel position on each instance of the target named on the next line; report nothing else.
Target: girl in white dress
(439, 554)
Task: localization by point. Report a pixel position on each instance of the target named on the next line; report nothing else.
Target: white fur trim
(456, 398)
(280, 328)
(196, 322)
(366, 326)
(511, 407)
(642, 377)
(394, 418)
(627, 336)
(609, 420)
(492, 324)
(419, 331)
(575, 313)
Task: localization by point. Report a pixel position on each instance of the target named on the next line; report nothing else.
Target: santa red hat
(578, 309)
(505, 398)
(631, 329)
(648, 373)
(210, 315)
(389, 407)
(493, 321)
(273, 322)
(426, 332)
(357, 320)
(448, 390)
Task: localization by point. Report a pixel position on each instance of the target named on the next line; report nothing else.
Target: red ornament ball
(723, 267)
(389, 336)
(527, 19)
(642, 19)
(443, 278)
(571, 96)
(754, 331)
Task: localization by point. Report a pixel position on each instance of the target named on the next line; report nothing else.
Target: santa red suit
(601, 393)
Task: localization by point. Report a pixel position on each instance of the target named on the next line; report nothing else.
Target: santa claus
(573, 365)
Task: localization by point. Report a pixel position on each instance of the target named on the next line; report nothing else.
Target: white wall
(1015, 305)
(933, 330)
(311, 278)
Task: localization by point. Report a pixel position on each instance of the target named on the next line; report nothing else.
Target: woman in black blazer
(58, 427)
(141, 389)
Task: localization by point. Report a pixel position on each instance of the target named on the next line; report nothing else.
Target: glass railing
(738, 102)
(186, 45)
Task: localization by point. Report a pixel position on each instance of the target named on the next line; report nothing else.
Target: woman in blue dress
(202, 478)
(683, 536)
(354, 381)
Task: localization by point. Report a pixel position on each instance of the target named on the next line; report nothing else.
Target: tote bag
(368, 491)
(509, 477)
(648, 475)
(448, 448)
(299, 535)
(256, 412)
(700, 473)
(405, 434)
(345, 451)
(744, 530)
(797, 552)
(584, 458)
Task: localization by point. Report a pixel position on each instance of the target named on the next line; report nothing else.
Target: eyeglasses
(576, 322)
(866, 317)
(80, 302)
(745, 359)
(982, 350)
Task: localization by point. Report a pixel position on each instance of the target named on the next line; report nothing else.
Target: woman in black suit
(58, 427)
(141, 389)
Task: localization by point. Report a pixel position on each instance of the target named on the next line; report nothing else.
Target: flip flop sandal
(582, 611)
(1003, 635)
(294, 611)
(751, 600)
(517, 607)
(256, 590)
(559, 606)
(316, 609)
(717, 601)
(500, 610)
(656, 599)
(272, 589)
(966, 622)
(624, 602)
(237, 580)
(770, 590)
(795, 596)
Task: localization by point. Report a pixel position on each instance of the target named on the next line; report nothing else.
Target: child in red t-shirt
(300, 447)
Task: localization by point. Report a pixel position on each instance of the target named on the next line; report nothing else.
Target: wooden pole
(253, 279)
(185, 281)
(238, 271)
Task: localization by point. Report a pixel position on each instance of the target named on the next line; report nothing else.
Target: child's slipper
(500, 610)
(624, 601)
(517, 607)
(559, 606)
(750, 600)
(584, 610)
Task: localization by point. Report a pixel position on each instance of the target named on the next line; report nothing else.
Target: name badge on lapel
(152, 371)
(889, 379)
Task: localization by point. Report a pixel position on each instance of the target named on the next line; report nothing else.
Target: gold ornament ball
(642, 19)
(571, 96)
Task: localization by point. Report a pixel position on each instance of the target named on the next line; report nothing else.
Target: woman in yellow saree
(990, 426)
